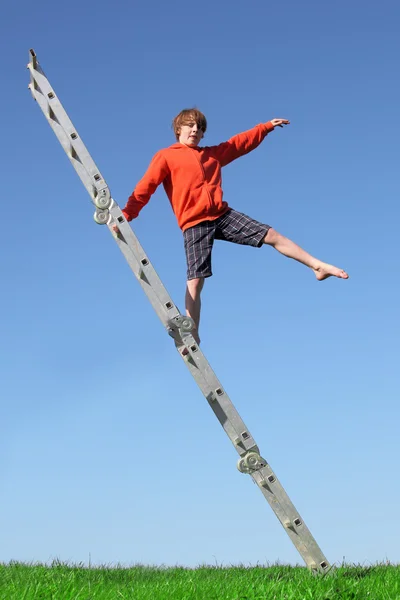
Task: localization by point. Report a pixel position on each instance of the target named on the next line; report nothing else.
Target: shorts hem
(198, 276)
(262, 236)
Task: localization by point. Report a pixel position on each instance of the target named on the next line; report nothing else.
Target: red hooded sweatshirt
(192, 177)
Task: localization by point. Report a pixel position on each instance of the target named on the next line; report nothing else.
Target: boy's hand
(117, 231)
(280, 122)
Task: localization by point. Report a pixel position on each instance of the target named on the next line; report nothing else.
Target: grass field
(75, 582)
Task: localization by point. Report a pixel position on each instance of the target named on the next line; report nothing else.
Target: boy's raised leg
(291, 250)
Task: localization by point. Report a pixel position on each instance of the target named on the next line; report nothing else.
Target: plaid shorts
(232, 226)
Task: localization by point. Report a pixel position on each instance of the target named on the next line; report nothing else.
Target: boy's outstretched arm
(245, 142)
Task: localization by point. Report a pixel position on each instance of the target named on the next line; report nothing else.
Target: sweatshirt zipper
(204, 177)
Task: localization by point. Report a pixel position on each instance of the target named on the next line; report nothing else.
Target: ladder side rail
(146, 274)
(235, 429)
(284, 520)
(75, 159)
(293, 523)
(135, 267)
(66, 133)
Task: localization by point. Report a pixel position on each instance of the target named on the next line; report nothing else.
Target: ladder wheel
(101, 217)
(252, 460)
(187, 325)
(102, 202)
(241, 465)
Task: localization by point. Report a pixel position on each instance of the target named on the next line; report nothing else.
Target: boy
(191, 176)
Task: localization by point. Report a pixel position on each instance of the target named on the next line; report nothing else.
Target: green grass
(68, 582)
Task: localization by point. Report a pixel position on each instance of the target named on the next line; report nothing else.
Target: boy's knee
(195, 285)
(271, 237)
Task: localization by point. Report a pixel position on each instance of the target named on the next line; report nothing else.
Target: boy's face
(190, 134)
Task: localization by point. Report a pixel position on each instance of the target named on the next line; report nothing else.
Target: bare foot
(323, 271)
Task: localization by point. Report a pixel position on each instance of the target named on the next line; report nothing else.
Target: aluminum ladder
(178, 326)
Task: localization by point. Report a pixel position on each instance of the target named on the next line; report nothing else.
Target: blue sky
(108, 449)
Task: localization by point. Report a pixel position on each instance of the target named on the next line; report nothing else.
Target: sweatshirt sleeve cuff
(127, 217)
(268, 127)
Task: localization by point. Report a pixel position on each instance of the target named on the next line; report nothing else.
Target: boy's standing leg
(291, 250)
(193, 303)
